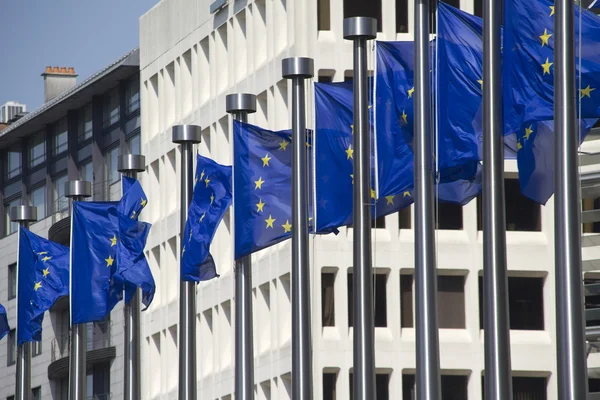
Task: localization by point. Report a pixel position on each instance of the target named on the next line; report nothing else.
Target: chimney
(58, 80)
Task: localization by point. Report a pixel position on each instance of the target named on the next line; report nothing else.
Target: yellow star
(528, 131)
(287, 227)
(410, 92)
(37, 286)
(349, 152)
(202, 175)
(407, 194)
(551, 10)
(404, 117)
(519, 146)
(586, 92)
(109, 261)
(352, 127)
(545, 37)
(144, 202)
(270, 221)
(266, 160)
(390, 200)
(480, 81)
(307, 144)
(206, 181)
(547, 66)
(183, 251)
(372, 194)
(133, 214)
(352, 176)
(283, 145)
(258, 183)
(202, 217)
(41, 253)
(260, 205)
(46, 258)
(113, 241)
(46, 272)
(212, 198)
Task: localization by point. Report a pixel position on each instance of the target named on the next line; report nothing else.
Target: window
(133, 94)
(328, 298)
(36, 348)
(361, 8)
(12, 281)
(329, 382)
(522, 213)
(525, 303)
(84, 123)
(404, 218)
(449, 216)
(401, 16)
(112, 159)
(37, 150)
(382, 386)
(13, 163)
(59, 201)
(11, 350)
(524, 388)
(60, 138)
(135, 146)
(380, 296)
(37, 198)
(86, 172)
(378, 223)
(325, 78)
(590, 205)
(454, 387)
(111, 108)
(36, 393)
(324, 15)
(406, 301)
(10, 398)
(11, 227)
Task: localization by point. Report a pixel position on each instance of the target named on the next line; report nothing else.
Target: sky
(84, 34)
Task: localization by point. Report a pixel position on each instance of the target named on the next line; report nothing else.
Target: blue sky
(84, 34)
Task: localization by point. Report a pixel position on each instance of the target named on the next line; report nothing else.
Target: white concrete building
(9, 109)
(190, 60)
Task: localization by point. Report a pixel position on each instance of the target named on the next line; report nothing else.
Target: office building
(9, 110)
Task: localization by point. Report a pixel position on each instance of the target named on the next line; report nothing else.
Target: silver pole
(77, 191)
(187, 136)
(570, 333)
(23, 215)
(359, 30)
(427, 343)
(239, 105)
(498, 382)
(298, 69)
(129, 165)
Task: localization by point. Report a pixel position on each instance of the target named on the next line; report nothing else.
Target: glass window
(449, 216)
(328, 298)
(324, 13)
(11, 350)
(11, 227)
(329, 382)
(404, 216)
(37, 198)
(59, 201)
(451, 302)
(406, 301)
(111, 108)
(86, 172)
(135, 145)
(36, 393)
(133, 94)
(380, 296)
(36, 350)
(84, 123)
(60, 140)
(402, 16)
(382, 383)
(13, 163)
(112, 159)
(12, 281)
(37, 150)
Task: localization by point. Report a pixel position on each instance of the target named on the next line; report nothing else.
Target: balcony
(99, 350)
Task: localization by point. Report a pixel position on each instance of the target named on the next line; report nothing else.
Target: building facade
(9, 109)
(77, 134)
(190, 59)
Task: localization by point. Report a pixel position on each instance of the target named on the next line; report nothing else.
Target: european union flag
(42, 278)
(263, 187)
(4, 327)
(212, 197)
(134, 199)
(528, 67)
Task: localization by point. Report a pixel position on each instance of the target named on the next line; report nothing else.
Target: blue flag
(134, 198)
(4, 327)
(42, 278)
(212, 197)
(528, 67)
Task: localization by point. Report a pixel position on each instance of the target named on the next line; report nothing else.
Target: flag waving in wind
(4, 327)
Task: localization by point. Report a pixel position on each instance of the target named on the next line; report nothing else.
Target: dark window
(325, 78)
(11, 227)
(382, 386)
(361, 8)
(10, 398)
(11, 348)
(135, 145)
(449, 216)
(404, 218)
(328, 298)
(37, 150)
(323, 15)
(37, 198)
(478, 8)
(133, 94)
(525, 303)
(84, 123)
(111, 108)
(12, 281)
(591, 302)
(590, 205)
(36, 393)
(594, 385)
(529, 388)
(522, 213)
(402, 16)
(451, 302)
(380, 294)
(378, 223)
(406, 301)
(454, 387)
(329, 381)
(13, 163)
(60, 137)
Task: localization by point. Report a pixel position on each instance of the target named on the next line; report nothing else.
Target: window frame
(12, 281)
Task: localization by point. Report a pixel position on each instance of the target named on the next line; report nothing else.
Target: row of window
(525, 296)
(11, 345)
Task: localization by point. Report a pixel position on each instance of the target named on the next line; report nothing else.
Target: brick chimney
(58, 80)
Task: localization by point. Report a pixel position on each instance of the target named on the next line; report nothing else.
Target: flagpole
(498, 381)
(570, 331)
(240, 105)
(427, 342)
(359, 30)
(23, 215)
(129, 165)
(298, 69)
(77, 191)
(186, 136)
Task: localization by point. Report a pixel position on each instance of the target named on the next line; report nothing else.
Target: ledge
(60, 368)
(60, 232)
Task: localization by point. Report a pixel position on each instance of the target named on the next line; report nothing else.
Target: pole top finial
(360, 27)
(23, 214)
(297, 67)
(78, 189)
(240, 102)
(131, 163)
(187, 134)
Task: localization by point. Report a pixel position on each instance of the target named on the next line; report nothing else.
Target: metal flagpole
(129, 165)
(498, 382)
(298, 69)
(23, 215)
(570, 332)
(428, 355)
(359, 30)
(187, 136)
(240, 104)
(77, 191)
